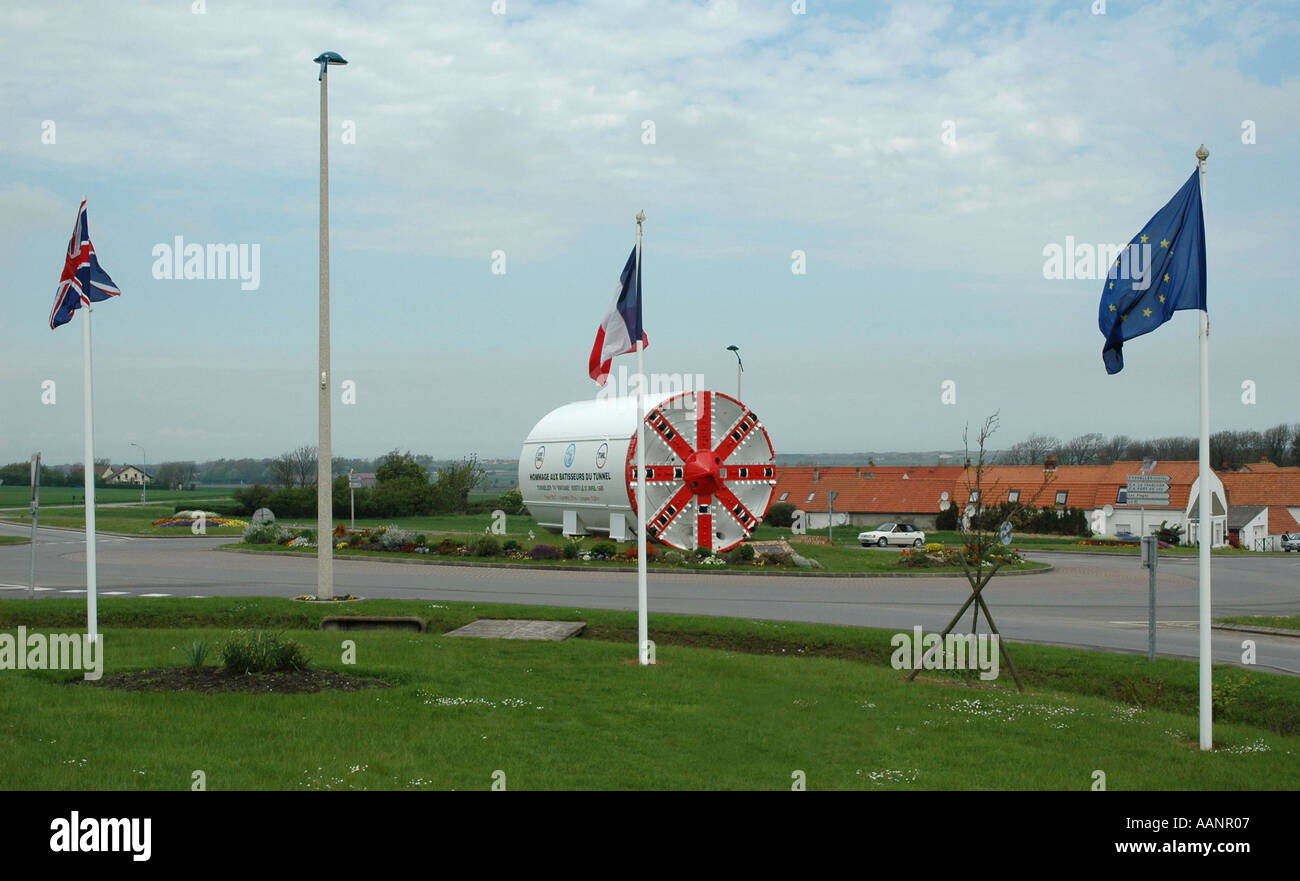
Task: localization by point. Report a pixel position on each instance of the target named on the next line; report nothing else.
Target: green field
(12, 539)
(135, 520)
(20, 496)
(731, 704)
(1286, 622)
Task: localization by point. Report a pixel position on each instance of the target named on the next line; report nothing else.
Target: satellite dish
(263, 515)
(1108, 510)
(943, 496)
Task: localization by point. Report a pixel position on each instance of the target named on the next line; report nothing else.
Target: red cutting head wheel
(709, 471)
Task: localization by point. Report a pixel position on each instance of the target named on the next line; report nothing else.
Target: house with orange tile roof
(1277, 489)
(869, 496)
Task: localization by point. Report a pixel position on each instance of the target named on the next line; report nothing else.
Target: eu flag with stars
(1160, 272)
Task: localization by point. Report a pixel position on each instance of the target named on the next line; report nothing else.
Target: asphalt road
(1094, 601)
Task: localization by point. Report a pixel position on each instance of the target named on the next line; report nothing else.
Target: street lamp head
(736, 351)
(327, 58)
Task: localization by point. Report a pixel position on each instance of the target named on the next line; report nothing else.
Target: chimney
(1049, 464)
(816, 474)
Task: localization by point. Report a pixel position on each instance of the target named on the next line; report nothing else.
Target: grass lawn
(1286, 622)
(136, 520)
(832, 559)
(732, 704)
(20, 495)
(12, 539)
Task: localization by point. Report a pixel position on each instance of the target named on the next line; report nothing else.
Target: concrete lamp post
(144, 480)
(740, 368)
(324, 453)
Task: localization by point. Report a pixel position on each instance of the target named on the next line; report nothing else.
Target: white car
(893, 534)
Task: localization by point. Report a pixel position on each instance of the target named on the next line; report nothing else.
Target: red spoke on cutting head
(741, 430)
(667, 432)
(704, 524)
(737, 509)
(671, 510)
(704, 420)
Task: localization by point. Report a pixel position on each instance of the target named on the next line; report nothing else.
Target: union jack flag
(83, 279)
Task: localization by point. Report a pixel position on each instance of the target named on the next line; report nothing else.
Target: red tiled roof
(1281, 487)
(886, 491)
(1280, 520)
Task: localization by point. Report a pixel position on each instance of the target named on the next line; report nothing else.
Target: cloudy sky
(921, 156)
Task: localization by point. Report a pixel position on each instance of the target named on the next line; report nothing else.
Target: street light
(324, 459)
(144, 481)
(740, 368)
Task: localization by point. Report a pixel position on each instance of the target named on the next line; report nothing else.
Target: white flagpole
(92, 612)
(1206, 529)
(642, 625)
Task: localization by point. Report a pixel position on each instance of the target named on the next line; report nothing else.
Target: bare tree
(1082, 450)
(303, 461)
(979, 559)
(1030, 451)
(282, 473)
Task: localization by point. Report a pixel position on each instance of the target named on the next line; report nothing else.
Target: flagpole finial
(1202, 154)
(640, 217)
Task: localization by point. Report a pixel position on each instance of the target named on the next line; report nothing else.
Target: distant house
(127, 474)
(1277, 489)
(1248, 527)
(869, 496)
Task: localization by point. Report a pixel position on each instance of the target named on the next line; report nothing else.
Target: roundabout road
(1091, 601)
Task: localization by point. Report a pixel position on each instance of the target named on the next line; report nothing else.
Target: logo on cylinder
(602, 454)
(540, 457)
(569, 452)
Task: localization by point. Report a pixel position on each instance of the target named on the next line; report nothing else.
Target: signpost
(1150, 556)
(1147, 489)
(353, 483)
(36, 505)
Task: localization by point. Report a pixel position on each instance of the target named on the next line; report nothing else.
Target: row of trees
(402, 489)
(1228, 449)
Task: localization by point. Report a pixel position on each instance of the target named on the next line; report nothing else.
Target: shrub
(780, 514)
(1171, 534)
(265, 534)
(544, 552)
(392, 538)
(250, 498)
(511, 545)
(450, 546)
(260, 652)
(605, 548)
(746, 552)
(572, 548)
(298, 502)
(487, 546)
(196, 653)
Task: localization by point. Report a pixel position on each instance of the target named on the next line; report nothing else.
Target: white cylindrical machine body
(709, 467)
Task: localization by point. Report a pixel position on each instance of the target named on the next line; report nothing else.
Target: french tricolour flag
(621, 328)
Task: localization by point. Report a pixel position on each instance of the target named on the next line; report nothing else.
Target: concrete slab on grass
(497, 628)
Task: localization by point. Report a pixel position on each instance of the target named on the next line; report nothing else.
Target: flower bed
(393, 539)
(189, 518)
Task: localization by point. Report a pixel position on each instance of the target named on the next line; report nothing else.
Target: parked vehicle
(1291, 541)
(892, 534)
